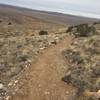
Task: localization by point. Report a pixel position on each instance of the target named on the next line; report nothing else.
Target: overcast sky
(89, 8)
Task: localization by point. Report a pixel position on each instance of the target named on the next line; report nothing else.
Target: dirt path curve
(43, 81)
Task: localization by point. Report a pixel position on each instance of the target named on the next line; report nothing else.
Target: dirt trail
(43, 82)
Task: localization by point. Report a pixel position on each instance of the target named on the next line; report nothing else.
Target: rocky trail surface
(43, 80)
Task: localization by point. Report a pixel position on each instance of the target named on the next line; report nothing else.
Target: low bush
(9, 23)
(83, 30)
(43, 33)
(69, 29)
(0, 21)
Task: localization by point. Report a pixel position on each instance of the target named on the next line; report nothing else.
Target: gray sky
(89, 8)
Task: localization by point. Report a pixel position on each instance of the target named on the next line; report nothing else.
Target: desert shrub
(92, 30)
(82, 79)
(69, 29)
(22, 58)
(95, 23)
(76, 78)
(84, 30)
(0, 21)
(73, 56)
(96, 69)
(96, 43)
(93, 50)
(43, 33)
(9, 23)
(84, 62)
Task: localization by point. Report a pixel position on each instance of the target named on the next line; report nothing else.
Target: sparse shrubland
(84, 62)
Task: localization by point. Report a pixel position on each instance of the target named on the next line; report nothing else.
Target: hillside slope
(32, 64)
(27, 20)
(69, 70)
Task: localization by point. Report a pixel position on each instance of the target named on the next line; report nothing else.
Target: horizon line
(68, 12)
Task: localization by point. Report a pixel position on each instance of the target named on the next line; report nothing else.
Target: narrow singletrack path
(43, 81)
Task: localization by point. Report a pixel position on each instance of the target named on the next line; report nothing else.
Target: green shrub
(83, 29)
(92, 30)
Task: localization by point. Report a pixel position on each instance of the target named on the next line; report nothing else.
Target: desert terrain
(48, 55)
(26, 20)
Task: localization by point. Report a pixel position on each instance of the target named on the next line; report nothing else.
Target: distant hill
(13, 18)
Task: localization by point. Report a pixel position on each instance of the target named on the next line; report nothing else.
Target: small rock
(1, 86)
(16, 81)
(98, 94)
(42, 48)
(67, 92)
(46, 92)
(8, 98)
